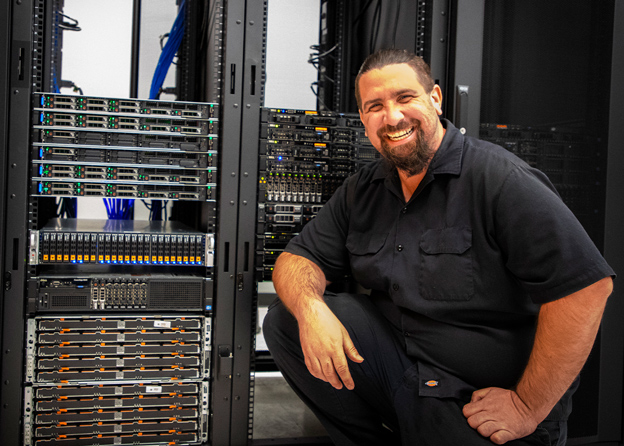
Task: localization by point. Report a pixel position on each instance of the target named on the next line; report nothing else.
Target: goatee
(414, 156)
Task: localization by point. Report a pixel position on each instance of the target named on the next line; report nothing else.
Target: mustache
(401, 125)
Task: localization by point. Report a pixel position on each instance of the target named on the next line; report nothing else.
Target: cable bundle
(119, 209)
(169, 51)
(67, 207)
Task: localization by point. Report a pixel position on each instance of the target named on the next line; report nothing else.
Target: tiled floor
(280, 414)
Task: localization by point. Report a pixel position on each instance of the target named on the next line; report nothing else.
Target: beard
(414, 156)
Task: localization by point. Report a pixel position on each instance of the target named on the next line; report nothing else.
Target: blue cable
(169, 51)
(162, 67)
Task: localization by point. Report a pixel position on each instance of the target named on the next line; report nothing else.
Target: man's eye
(405, 98)
(374, 108)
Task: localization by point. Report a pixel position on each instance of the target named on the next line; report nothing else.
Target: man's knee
(278, 324)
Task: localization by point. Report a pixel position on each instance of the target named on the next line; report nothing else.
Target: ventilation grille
(69, 301)
(167, 294)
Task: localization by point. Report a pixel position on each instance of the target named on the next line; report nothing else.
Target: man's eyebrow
(367, 103)
(394, 93)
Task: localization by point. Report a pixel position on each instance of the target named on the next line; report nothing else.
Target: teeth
(399, 135)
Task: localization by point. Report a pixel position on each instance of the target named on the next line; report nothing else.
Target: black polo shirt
(462, 267)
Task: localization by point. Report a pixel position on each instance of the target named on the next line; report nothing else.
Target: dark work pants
(386, 407)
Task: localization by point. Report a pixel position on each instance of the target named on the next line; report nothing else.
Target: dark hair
(384, 57)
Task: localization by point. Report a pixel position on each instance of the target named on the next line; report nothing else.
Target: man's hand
(326, 346)
(499, 415)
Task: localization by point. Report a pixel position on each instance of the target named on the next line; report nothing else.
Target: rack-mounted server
(113, 292)
(117, 380)
(157, 157)
(120, 242)
(127, 106)
(569, 157)
(304, 156)
(90, 147)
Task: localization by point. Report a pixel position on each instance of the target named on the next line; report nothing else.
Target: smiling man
(485, 292)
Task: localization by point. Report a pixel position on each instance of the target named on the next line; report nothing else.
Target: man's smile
(398, 136)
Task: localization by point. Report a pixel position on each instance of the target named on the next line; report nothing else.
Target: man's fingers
(342, 368)
(478, 395)
(501, 437)
(314, 367)
(330, 374)
(351, 351)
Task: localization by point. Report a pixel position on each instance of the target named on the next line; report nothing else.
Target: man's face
(400, 117)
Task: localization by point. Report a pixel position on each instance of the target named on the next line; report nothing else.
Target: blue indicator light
(208, 307)
(40, 153)
(41, 118)
(40, 170)
(42, 100)
(40, 187)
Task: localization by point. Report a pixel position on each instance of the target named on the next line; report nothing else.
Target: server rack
(498, 51)
(104, 319)
(582, 161)
(230, 396)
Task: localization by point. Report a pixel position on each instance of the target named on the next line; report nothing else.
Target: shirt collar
(447, 159)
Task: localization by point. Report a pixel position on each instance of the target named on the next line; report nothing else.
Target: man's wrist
(536, 410)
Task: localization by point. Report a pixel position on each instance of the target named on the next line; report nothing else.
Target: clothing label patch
(432, 383)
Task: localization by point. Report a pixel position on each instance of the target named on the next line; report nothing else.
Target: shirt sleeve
(322, 240)
(546, 247)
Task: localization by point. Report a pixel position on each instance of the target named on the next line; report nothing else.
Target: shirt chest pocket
(446, 271)
(367, 265)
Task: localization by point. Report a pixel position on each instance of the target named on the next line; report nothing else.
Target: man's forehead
(396, 77)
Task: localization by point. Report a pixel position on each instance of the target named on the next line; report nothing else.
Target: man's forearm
(297, 281)
(566, 332)
(325, 343)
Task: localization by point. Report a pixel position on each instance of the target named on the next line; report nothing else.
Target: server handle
(461, 107)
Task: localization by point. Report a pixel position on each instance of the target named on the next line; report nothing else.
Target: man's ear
(436, 99)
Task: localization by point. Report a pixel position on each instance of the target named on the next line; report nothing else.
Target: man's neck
(409, 184)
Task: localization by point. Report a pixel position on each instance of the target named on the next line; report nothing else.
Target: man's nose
(394, 114)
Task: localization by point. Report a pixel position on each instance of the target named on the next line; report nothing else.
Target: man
(486, 293)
